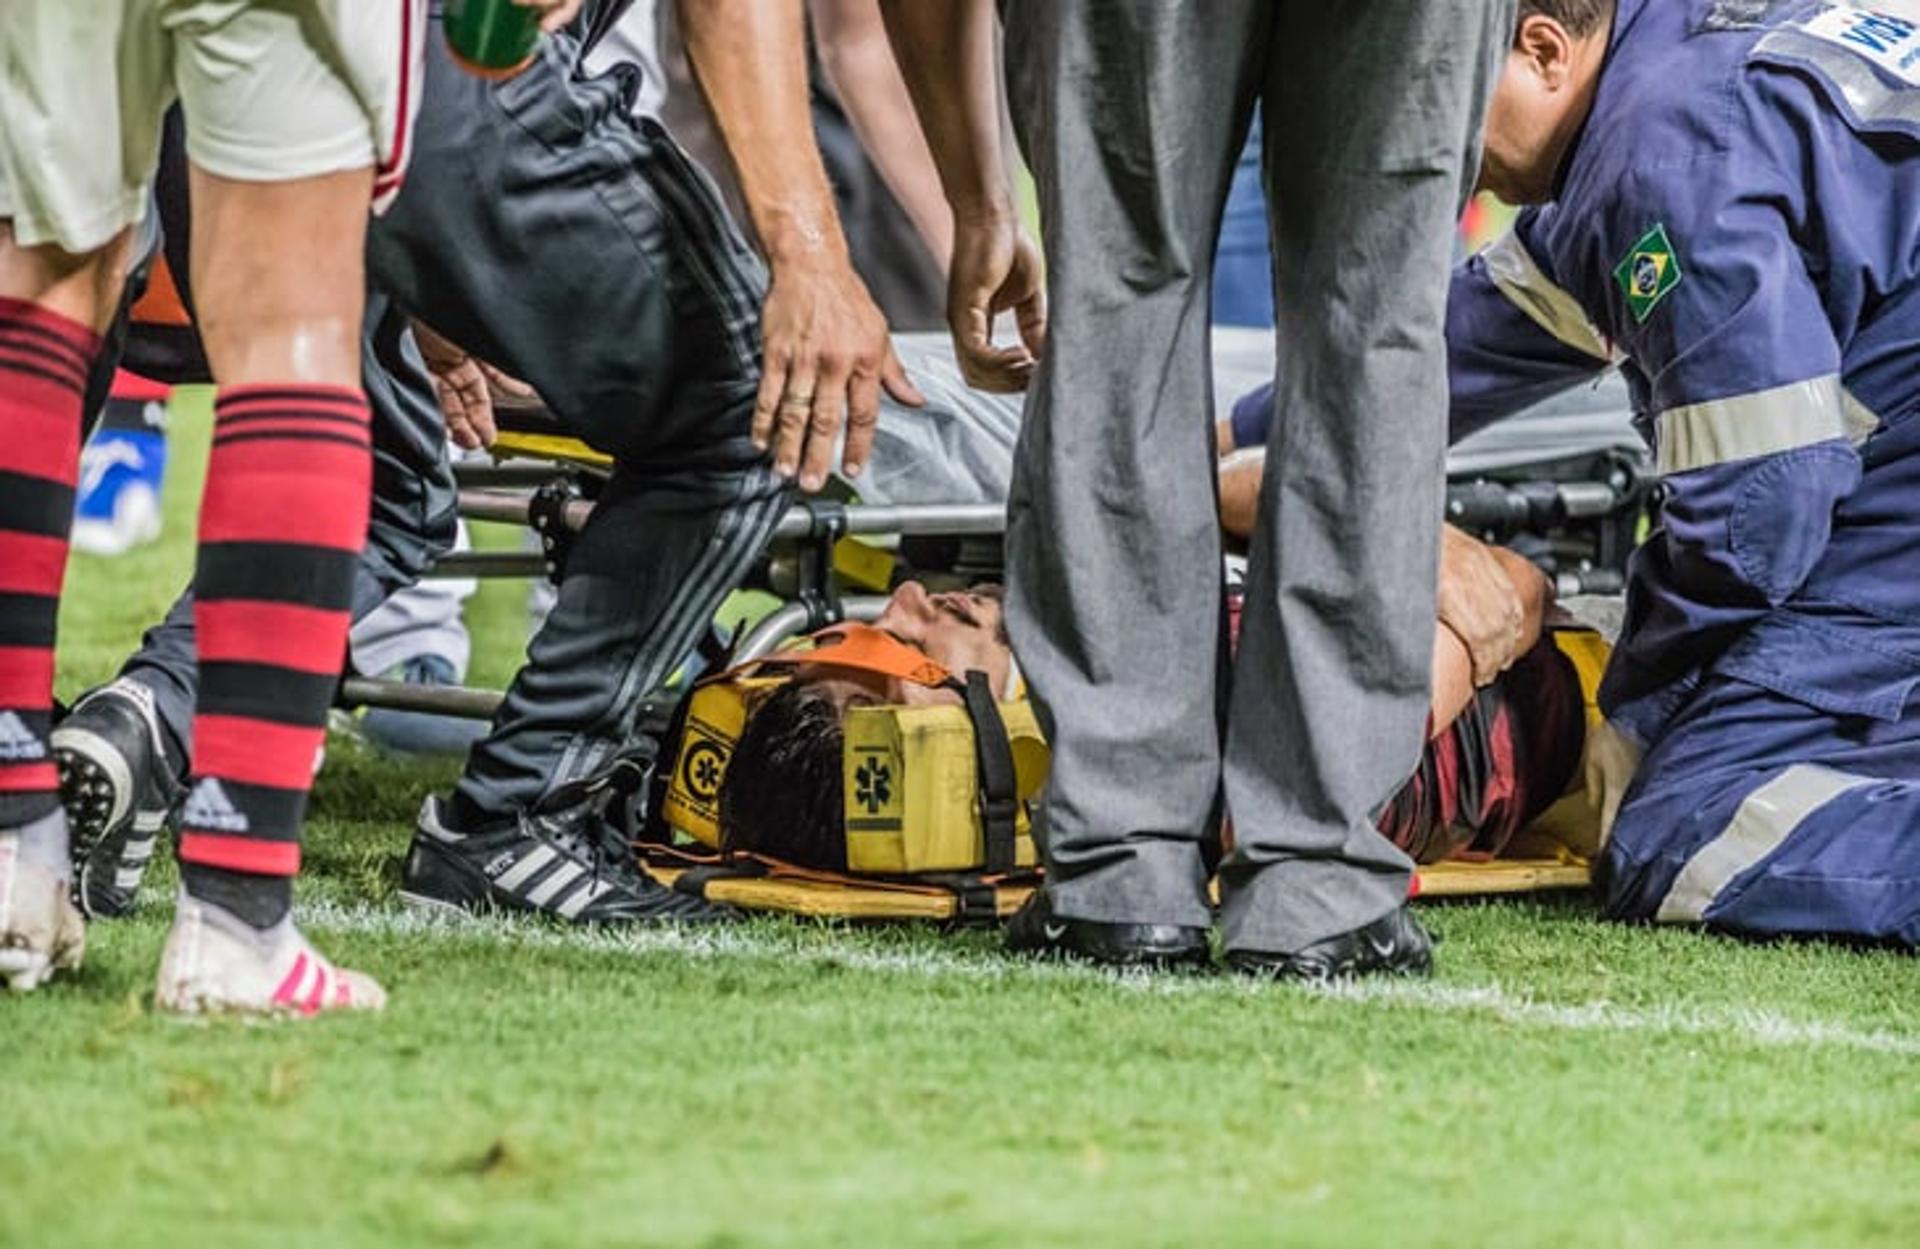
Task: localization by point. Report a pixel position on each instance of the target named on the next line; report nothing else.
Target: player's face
(963, 631)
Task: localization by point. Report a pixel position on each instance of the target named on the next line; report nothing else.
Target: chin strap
(993, 753)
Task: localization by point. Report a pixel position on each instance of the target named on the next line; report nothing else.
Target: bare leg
(82, 287)
(277, 276)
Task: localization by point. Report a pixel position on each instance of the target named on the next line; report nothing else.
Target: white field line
(1755, 1027)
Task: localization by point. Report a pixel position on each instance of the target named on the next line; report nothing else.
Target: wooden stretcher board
(887, 901)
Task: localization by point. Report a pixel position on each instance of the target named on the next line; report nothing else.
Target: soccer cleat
(1393, 945)
(119, 789)
(1035, 930)
(570, 865)
(214, 963)
(41, 931)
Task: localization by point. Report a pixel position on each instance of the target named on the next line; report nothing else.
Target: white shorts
(273, 90)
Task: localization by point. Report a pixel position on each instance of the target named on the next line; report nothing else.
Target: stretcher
(755, 884)
(1552, 853)
(1566, 484)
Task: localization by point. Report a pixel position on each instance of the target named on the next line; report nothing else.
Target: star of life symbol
(17, 741)
(209, 807)
(702, 769)
(873, 785)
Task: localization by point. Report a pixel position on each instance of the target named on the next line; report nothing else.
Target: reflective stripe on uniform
(1860, 419)
(1740, 427)
(1872, 98)
(1764, 821)
(1547, 305)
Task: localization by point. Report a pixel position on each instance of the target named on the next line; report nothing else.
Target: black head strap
(993, 752)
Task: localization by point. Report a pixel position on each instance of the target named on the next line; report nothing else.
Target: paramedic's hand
(827, 356)
(465, 385)
(1479, 603)
(1610, 760)
(553, 13)
(996, 267)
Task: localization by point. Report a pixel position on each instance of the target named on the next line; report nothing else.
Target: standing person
(607, 276)
(296, 122)
(1131, 115)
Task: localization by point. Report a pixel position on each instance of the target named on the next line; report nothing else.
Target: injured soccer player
(1499, 753)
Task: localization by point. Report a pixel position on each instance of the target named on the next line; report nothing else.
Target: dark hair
(1580, 17)
(782, 795)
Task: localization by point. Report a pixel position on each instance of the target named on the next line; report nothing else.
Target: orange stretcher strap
(863, 648)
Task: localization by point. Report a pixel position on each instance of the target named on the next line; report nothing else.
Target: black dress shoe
(1036, 930)
(1393, 945)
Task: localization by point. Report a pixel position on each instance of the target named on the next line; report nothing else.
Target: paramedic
(1724, 202)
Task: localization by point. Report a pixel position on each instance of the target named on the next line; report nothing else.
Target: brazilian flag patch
(1648, 273)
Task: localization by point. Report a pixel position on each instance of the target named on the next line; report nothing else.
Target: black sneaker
(1036, 930)
(570, 865)
(120, 790)
(1393, 945)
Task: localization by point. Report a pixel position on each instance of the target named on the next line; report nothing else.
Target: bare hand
(827, 356)
(996, 267)
(1479, 602)
(464, 386)
(553, 13)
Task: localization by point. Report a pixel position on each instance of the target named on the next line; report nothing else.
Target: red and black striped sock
(281, 527)
(44, 359)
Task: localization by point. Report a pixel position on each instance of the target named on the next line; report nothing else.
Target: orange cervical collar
(863, 648)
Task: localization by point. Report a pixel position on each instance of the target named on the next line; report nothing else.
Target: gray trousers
(547, 231)
(1131, 113)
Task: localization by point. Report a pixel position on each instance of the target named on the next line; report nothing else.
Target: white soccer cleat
(41, 930)
(216, 964)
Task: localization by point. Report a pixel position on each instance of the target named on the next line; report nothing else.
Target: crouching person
(1722, 206)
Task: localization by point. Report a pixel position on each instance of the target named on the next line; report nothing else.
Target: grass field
(1560, 1081)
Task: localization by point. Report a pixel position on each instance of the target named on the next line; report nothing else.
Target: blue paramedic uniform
(1738, 227)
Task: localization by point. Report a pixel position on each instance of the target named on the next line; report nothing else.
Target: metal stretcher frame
(518, 493)
(812, 528)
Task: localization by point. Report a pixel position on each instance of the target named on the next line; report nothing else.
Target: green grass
(1561, 1081)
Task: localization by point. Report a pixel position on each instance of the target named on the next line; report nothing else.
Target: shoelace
(586, 837)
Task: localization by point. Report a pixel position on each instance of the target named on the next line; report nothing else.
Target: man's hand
(827, 356)
(996, 267)
(464, 385)
(1479, 603)
(553, 13)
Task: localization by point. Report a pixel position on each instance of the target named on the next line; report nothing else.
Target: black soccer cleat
(570, 865)
(119, 788)
(1393, 945)
(1035, 930)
